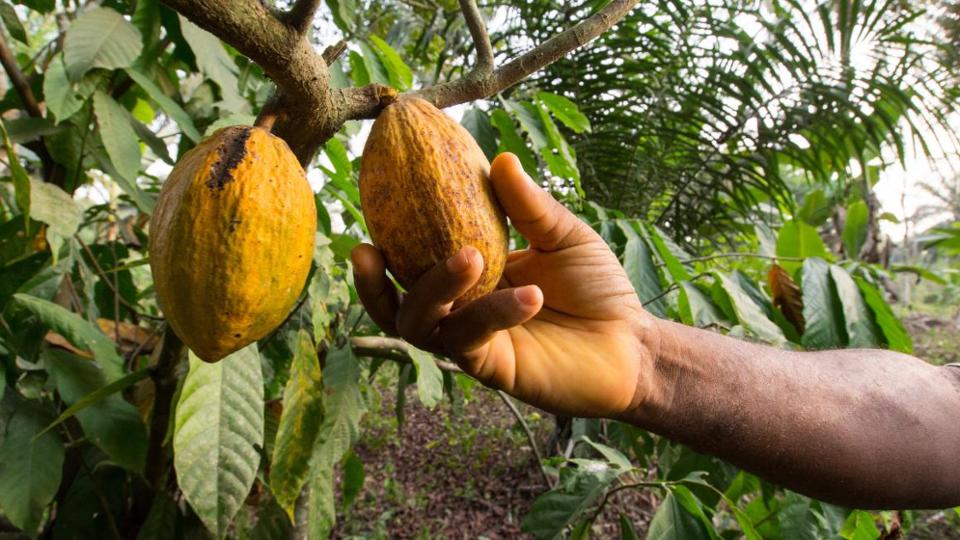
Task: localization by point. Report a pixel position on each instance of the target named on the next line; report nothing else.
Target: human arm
(567, 333)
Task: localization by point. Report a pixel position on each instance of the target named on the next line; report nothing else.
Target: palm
(582, 347)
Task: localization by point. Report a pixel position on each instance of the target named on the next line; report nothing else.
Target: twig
(20, 82)
(610, 493)
(530, 438)
(471, 88)
(106, 281)
(481, 39)
(164, 376)
(301, 14)
(673, 286)
(736, 254)
(393, 349)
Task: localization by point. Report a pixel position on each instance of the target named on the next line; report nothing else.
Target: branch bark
(164, 376)
(301, 15)
(393, 349)
(19, 81)
(481, 39)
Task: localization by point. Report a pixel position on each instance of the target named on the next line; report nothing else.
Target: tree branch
(470, 88)
(301, 14)
(19, 81)
(393, 349)
(481, 39)
(164, 376)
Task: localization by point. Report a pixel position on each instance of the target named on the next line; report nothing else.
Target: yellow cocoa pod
(426, 193)
(231, 240)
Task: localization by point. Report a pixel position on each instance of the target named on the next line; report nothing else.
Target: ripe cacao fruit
(231, 240)
(426, 193)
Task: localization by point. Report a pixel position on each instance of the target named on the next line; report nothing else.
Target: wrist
(651, 334)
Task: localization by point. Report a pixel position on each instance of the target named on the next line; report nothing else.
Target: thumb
(543, 221)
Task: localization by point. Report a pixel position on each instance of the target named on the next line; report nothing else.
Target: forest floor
(469, 472)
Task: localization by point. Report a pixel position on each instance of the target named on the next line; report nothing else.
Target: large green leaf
(10, 19)
(894, 333)
(299, 425)
(81, 333)
(858, 319)
(62, 99)
(344, 407)
(749, 314)
(429, 378)
(217, 432)
(553, 511)
(100, 38)
(478, 124)
(566, 111)
(30, 468)
(855, 228)
(797, 239)
(214, 62)
(401, 77)
(119, 138)
(643, 274)
(21, 181)
(510, 140)
(697, 309)
(673, 521)
(51, 205)
(821, 308)
(112, 423)
(170, 106)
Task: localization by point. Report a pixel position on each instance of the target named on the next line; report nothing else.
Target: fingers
(430, 299)
(543, 221)
(473, 325)
(375, 290)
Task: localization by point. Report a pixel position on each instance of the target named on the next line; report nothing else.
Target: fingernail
(459, 262)
(527, 295)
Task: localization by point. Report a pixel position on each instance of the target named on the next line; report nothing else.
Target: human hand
(565, 330)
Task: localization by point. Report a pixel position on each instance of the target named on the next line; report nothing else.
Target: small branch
(19, 81)
(555, 48)
(164, 376)
(530, 438)
(481, 39)
(331, 53)
(301, 14)
(393, 349)
(736, 254)
(673, 286)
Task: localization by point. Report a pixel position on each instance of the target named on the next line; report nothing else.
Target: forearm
(864, 428)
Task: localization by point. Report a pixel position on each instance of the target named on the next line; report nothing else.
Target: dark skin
(567, 333)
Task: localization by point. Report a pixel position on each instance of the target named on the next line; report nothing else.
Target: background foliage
(726, 150)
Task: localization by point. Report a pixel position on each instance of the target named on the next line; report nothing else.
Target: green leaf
(429, 378)
(43, 6)
(797, 239)
(81, 333)
(218, 428)
(358, 69)
(13, 24)
(30, 469)
(566, 111)
(478, 124)
(299, 425)
(855, 229)
(21, 181)
(100, 38)
(119, 138)
(697, 309)
(51, 205)
(98, 395)
(860, 526)
(375, 68)
(27, 128)
(171, 107)
(510, 141)
(401, 77)
(62, 99)
(920, 271)
(337, 153)
(553, 511)
(214, 62)
(821, 309)
(107, 419)
(749, 314)
(673, 521)
(353, 478)
(157, 145)
(345, 407)
(627, 531)
(858, 320)
(641, 271)
(670, 253)
(895, 334)
(161, 520)
(816, 208)
(559, 155)
(144, 201)
(796, 518)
